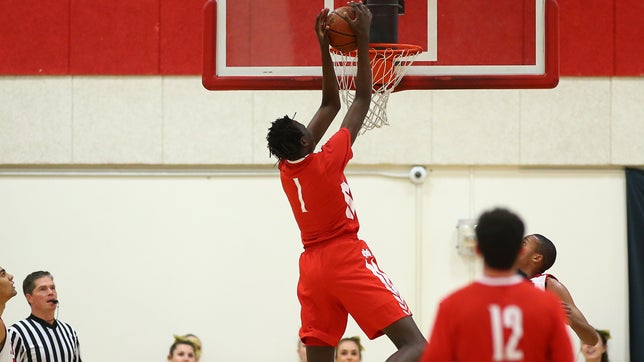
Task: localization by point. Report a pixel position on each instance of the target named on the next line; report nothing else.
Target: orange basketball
(341, 36)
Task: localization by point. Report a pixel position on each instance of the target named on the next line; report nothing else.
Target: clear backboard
(467, 44)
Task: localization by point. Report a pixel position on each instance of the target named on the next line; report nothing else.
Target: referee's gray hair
(29, 283)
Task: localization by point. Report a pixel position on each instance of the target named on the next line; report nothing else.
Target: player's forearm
(584, 331)
(330, 95)
(363, 78)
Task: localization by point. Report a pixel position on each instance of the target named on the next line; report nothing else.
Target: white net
(389, 63)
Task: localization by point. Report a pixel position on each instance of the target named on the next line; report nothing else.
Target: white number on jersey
(511, 318)
(350, 212)
(299, 194)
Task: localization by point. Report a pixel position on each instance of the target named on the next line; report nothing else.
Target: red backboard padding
(255, 41)
(587, 37)
(114, 37)
(480, 41)
(181, 36)
(629, 37)
(34, 37)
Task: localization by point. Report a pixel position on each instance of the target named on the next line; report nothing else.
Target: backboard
(467, 44)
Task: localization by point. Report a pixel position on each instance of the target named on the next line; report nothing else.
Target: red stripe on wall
(118, 37)
(181, 36)
(629, 37)
(122, 37)
(587, 38)
(34, 37)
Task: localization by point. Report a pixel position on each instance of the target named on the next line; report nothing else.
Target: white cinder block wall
(174, 121)
(155, 205)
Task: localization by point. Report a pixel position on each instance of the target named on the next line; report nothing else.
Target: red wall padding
(114, 37)
(125, 37)
(586, 37)
(34, 37)
(181, 34)
(478, 41)
(629, 37)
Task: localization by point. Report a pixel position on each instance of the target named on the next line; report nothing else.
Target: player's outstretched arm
(576, 319)
(330, 104)
(559, 344)
(356, 113)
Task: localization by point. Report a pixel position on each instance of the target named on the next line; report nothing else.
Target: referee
(41, 337)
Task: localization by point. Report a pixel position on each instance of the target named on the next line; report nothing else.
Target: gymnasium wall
(141, 255)
(171, 121)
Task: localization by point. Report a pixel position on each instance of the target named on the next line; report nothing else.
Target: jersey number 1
(510, 317)
(350, 212)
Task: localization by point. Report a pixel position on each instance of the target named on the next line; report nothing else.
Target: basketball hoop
(389, 63)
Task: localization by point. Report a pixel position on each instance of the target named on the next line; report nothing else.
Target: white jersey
(6, 354)
(541, 280)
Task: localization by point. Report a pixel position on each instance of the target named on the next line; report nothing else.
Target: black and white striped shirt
(34, 340)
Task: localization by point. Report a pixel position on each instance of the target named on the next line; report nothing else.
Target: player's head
(499, 234)
(539, 254)
(547, 249)
(288, 139)
(349, 349)
(7, 289)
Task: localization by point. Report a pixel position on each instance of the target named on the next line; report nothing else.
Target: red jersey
(319, 193)
(499, 319)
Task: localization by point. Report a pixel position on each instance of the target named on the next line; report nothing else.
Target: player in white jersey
(538, 256)
(7, 291)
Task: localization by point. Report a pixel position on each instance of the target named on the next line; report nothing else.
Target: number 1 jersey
(318, 191)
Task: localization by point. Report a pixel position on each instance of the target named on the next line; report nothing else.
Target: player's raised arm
(358, 110)
(576, 319)
(330, 104)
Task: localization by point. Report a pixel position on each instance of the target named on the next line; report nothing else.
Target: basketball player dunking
(338, 273)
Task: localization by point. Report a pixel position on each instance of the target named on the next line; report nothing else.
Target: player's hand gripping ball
(341, 36)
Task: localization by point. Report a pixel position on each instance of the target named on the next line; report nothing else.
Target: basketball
(341, 36)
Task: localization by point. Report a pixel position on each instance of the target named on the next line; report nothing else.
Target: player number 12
(509, 317)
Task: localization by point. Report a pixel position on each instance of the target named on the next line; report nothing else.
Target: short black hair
(29, 283)
(499, 234)
(547, 249)
(284, 139)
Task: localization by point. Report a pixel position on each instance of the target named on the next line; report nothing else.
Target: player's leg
(406, 336)
(374, 302)
(320, 354)
(323, 317)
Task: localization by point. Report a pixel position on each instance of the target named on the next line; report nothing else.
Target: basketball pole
(384, 20)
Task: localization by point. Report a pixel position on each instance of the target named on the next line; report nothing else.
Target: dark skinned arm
(3, 332)
(330, 104)
(358, 110)
(576, 319)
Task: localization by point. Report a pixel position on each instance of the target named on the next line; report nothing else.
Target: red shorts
(341, 277)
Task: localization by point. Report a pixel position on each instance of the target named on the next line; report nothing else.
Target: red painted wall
(147, 37)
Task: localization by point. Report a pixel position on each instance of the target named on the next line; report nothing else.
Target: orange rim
(393, 50)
